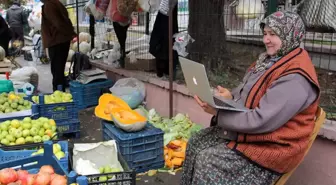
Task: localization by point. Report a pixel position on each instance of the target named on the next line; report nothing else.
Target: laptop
(198, 84)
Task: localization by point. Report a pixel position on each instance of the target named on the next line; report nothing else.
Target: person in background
(57, 33)
(281, 91)
(16, 21)
(5, 35)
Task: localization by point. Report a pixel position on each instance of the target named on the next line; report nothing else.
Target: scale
(87, 76)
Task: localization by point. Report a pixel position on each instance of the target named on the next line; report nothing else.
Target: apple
(4, 126)
(52, 122)
(40, 151)
(5, 141)
(20, 141)
(12, 131)
(102, 178)
(48, 133)
(41, 132)
(59, 155)
(15, 123)
(4, 133)
(46, 126)
(33, 131)
(53, 128)
(29, 139)
(11, 144)
(46, 138)
(27, 120)
(37, 139)
(18, 133)
(26, 125)
(56, 148)
(25, 133)
(10, 138)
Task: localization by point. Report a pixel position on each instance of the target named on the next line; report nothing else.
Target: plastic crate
(34, 115)
(140, 149)
(68, 126)
(60, 112)
(126, 177)
(10, 153)
(87, 95)
(34, 163)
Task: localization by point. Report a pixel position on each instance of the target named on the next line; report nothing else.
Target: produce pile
(46, 176)
(57, 150)
(105, 170)
(17, 132)
(174, 153)
(11, 102)
(179, 127)
(56, 97)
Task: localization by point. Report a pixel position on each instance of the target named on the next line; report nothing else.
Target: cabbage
(178, 127)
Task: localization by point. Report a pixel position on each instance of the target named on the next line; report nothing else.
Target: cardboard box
(143, 62)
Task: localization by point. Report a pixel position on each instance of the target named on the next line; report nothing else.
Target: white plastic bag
(250, 9)
(182, 39)
(35, 17)
(131, 90)
(150, 6)
(139, 46)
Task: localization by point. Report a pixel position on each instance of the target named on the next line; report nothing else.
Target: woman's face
(271, 41)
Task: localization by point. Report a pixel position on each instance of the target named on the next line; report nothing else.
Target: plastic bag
(26, 88)
(181, 41)
(139, 46)
(131, 90)
(114, 55)
(35, 17)
(150, 6)
(114, 15)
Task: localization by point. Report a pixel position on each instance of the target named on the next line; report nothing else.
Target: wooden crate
(5, 67)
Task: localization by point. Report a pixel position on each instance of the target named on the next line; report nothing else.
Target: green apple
(45, 138)
(56, 148)
(29, 139)
(27, 120)
(4, 133)
(115, 170)
(46, 125)
(33, 131)
(26, 125)
(53, 128)
(59, 155)
(37, 139)
(18, 133)
(5, 141)
(25, 133)
(41, 132)
(15, 123)
(12, 131)
(20, 141)
(102, 178)
(101, 170)
(11, 144)
(10, 138)
(40, 151)
(4, 126)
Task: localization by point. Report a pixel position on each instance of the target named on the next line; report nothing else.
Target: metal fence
(228, 42)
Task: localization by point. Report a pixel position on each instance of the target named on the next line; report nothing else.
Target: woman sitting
(281, 91)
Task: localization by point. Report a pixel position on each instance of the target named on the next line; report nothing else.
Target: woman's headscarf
(289, 27)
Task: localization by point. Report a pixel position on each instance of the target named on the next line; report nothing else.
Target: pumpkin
(128, 120)
(106, 104)
(174, 153)
(84, 47)
(2, 54)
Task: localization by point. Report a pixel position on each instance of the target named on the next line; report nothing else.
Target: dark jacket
(56, 25)
(15, 16)
(5, 34)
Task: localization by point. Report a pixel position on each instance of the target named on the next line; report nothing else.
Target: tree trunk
(206, 26)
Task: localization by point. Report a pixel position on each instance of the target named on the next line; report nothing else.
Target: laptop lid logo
(195, 81)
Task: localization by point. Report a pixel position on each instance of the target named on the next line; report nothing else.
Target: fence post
(92, 30)
(147, 23)
(272, 6)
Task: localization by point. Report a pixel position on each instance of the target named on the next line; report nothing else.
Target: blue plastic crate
(6, 156)
(34, 115)
(34, 163)
(136, 147)
(87, 95)
(68, 126)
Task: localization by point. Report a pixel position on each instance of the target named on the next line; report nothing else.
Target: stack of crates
(87, 95)
(64, 114)
(142, 150)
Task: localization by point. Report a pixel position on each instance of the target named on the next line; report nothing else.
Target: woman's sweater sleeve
(286, 97)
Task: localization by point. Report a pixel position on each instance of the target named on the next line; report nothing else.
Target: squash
(106, 104)
(174, 153)
(128, 120)
(84, 37)
(2, 54)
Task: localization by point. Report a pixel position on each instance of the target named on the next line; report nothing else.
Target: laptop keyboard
(220, 103)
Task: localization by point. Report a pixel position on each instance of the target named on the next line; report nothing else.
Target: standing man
(15, 19)
(5, 35)
(57, 32)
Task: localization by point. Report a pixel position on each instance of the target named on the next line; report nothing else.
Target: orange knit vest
(283, 149)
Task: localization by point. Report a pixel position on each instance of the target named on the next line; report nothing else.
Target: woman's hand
(206, 107)
(223, 92)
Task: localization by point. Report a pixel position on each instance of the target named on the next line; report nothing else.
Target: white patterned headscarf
(290, 29)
